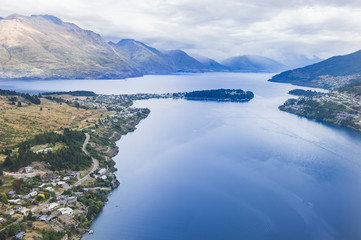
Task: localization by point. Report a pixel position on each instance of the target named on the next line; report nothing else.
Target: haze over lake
(226, 170)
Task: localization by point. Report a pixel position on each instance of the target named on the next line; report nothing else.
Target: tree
(17, 185)
(3, 198)
(19, 104)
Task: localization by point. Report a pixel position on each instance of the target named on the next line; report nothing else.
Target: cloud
(218, 29)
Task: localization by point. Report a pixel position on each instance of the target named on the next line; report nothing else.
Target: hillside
(252, 63)
(43, 46)
(330, 74)
(211, 64)
(182, 62)
(149, 60)
(20, 123)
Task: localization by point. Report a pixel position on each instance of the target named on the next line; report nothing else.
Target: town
(61, 203)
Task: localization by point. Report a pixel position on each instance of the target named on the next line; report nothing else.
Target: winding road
(95, 162)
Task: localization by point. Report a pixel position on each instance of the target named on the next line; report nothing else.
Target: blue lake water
(224, 170)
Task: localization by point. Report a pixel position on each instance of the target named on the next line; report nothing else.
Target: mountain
(331, 73)
(253, 63)
(44, 47)
(211, 64)
(293, 61)
(149, 60)
(182, 62)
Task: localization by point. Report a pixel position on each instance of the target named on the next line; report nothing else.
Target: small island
(304, 93)
(234, 95)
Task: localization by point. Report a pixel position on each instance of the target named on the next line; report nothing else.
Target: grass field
(20, 123)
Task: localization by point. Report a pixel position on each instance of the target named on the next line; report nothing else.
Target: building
(79, 194)
(15, 201)
(52, 206)
(66, 211)
(10, 212)
(51, 177)
(49, 189)
(102, 171)
(2, 220)
(11, 193)
(72, 199)
(20, 235)
(28, 170)
(33, 193)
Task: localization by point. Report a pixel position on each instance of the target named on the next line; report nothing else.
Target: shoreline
(115, 151)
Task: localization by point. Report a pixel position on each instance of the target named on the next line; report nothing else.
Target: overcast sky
(215, 28)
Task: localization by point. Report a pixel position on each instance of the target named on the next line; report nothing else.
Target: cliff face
(43, 46)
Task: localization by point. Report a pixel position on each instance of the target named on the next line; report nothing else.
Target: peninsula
(342, 107)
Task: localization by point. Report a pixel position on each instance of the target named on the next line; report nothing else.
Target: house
(10, 212)
(14, 201)
(52, 206)
(51, 177)
(51, 217)
(33, 193)
(42, 185)
(18, 207)
(79, 194)
(49, 189)
(26, 197)
(28, 170)
(66, 178)
(72, 199)
(24, 210)
(2, 220)
(103, 177)
(42, 217)
(11, 193)
(61, 183)
(20, 235)
(66, 211)
(102, 171)
(72, 174)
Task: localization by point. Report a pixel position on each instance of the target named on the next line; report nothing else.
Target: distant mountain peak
(253, 63)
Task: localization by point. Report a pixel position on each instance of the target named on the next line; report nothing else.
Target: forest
(219, 94)
(70, 156)
(304, 93)
(31, 98)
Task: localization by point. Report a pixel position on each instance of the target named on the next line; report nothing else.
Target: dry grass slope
(20, 123)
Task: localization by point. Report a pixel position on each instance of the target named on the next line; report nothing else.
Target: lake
(226, 170)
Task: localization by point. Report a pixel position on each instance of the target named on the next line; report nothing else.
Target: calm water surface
(221, 170)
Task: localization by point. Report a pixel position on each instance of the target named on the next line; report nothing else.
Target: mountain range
(45, 47)
(331, 73)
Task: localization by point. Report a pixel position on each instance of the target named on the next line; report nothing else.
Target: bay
(223, 170)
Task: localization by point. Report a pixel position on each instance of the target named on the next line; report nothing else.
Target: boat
(91, 231)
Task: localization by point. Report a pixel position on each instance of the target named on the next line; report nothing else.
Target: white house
(102, 171)
(33, 193)
(15, 201)
(10, 212)
(49, 189)
(66, 211)
(28, 169)
(52, 206)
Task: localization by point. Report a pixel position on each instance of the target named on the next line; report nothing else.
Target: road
(95, 162)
